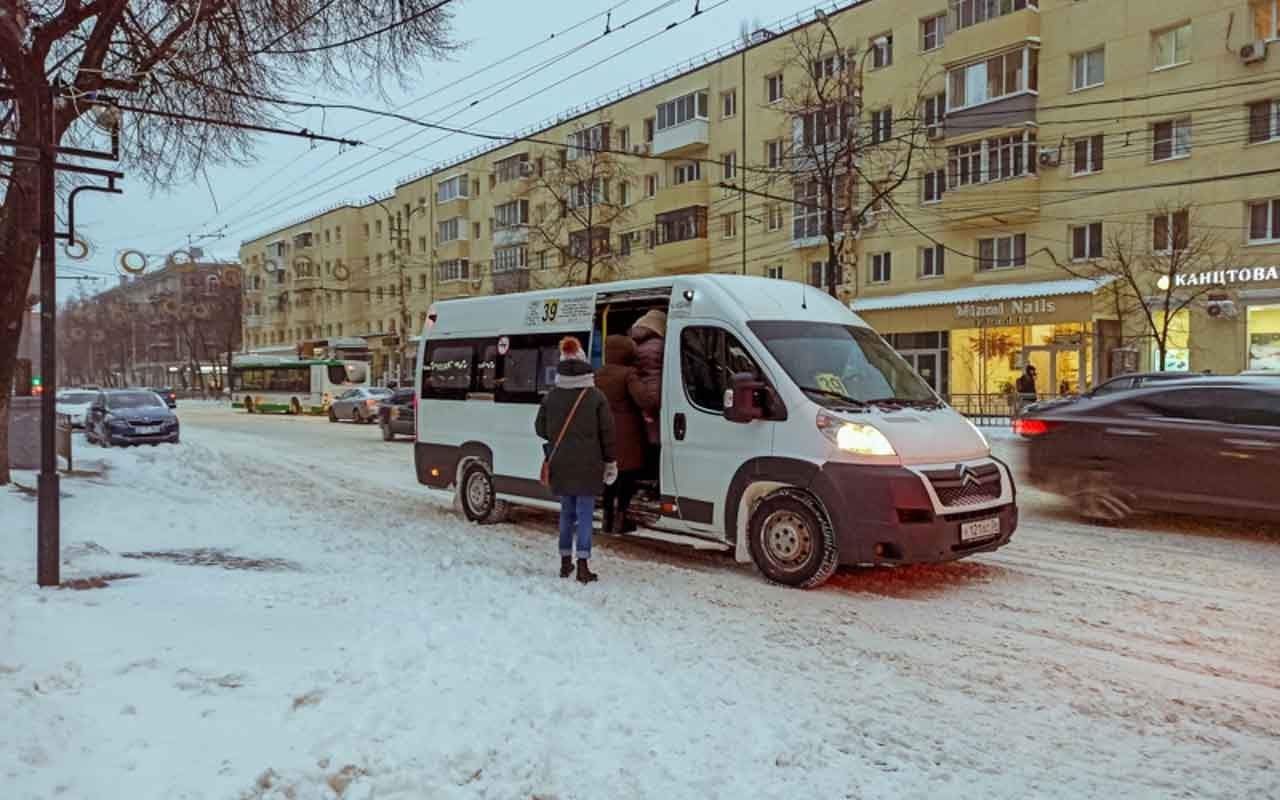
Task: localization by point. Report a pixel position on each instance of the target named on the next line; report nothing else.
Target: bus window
(487, 369)
(520, 370)
(347, 374)
(448, 370)
(550, 359)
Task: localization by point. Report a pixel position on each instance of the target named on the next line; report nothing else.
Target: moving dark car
(1209, 445)
(1120, 383)
(169, 396)
(396, 413)
(131, 416)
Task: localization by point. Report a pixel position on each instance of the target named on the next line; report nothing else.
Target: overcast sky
(292, 178)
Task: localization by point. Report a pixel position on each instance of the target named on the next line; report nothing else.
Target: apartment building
(1005, 149)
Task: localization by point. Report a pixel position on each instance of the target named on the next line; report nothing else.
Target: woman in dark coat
(620, 382)
(583, 462)
(650, 333)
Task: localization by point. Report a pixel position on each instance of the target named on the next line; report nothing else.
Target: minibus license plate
(979, 529)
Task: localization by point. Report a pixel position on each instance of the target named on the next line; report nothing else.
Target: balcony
(991, 36)
(513, 235)
(458, 248)
(692, 193)
(1012, 201)
(516, 280)
(686, 138)
(683, 257)
(301, 282)
(449, 290)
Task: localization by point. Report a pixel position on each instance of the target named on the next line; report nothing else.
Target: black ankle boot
(608, 521)
(566, 566)
(585, 575)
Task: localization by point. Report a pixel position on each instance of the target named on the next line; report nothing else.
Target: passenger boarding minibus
(792, 434)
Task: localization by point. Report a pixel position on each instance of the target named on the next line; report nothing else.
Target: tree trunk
(18, 246)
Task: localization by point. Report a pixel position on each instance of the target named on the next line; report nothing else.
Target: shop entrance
(1060, 368)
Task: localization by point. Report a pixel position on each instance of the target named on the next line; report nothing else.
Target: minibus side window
(487, 369)
(709, 357)
(448, 371)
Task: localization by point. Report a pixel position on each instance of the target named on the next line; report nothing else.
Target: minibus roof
(737, 298)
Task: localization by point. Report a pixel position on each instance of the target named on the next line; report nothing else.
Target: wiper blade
(834, 395)
(906, 401)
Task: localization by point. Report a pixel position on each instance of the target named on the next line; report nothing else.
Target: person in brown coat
(650, 333)
(620, 382)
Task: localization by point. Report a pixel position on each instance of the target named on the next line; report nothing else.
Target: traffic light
(36, 388)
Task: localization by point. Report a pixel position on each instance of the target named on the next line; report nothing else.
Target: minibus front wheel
(479, 499)
(792, 540)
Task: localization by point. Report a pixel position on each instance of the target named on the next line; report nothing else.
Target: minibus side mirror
(745, 401)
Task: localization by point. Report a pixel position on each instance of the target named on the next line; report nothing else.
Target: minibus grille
(966, 484)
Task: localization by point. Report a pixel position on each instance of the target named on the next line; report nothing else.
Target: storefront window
(1264, 337)
(1177, 356)
(988, 361)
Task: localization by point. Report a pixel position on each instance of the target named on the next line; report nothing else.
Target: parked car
(1208, 445)
(358, 405)
(131, 416)
(75, 404)
(1120, 383)
(396, 413)
(169, 396)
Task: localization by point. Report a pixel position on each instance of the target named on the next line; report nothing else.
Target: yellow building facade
(1012, 148)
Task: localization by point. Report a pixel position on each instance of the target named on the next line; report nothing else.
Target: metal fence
(994, 409)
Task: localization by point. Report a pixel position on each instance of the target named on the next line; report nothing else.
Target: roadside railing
(994, 409)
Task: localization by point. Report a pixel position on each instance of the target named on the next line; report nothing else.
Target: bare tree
(212, 59)
(1153, 273)
(577, 199)
(844, 163)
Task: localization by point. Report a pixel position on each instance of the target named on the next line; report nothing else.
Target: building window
(1086, 155)
(1171, 47)
(509, 259)
(729, 225)
(1264, 121)
(1262, 323)
(1266, 18)
(648, 130)
(1088, 69)
(933, 32)
(422, 282)
(587, 140)
(1086, 241)
(728, 103)
(935, 185)
(681, 110)
(1002, 252)
(933, 112)
(773, 153)
(448, 231)
(774, 272)
(511, 215)
(449, 189)
(1264, 222)
(774, 217)
(994, 78)
(687, 172)
(997, 159)
(881, 125)
(881, 267)
(422, 244)
(510, 169)
(682, 225)
(624, 139)
(882, 50)
(1171, 139)
(773, 88)
(650, 185)
(806, 214)
(821, 127)
(933, 261)
(377, 227)
(624, 193)
(1170, 232)
(965, 13)
(625, 241)
(457, 269)
(819, 274)
(729, 165)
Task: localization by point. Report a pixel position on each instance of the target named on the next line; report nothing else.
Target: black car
(169, 396)
(130, 416)
(1120, 383)
(396, 414)
(1209, 445)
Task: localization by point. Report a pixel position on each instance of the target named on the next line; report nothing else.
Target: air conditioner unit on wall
(1254, 52)
(640, 149)
(1050, 156)
(1222, 309)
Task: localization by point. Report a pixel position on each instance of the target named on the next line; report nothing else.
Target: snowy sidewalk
(343, 633)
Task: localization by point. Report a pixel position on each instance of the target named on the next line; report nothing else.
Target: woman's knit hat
(571, 348)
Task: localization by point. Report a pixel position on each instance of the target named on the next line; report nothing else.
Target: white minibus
(792, 434)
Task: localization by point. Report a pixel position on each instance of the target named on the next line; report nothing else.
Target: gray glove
(610, 473)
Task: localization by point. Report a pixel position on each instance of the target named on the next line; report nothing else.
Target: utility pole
(397, 235)
(49, 511)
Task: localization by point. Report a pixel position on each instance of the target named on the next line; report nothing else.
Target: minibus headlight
(854, 437)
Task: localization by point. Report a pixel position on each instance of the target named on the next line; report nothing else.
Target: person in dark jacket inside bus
(576, 422)
(649, 333)
(620, 381)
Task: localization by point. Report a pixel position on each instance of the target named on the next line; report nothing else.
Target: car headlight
(854, 437)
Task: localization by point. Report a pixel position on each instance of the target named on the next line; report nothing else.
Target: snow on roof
(978, 294)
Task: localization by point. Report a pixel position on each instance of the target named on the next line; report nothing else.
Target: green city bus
(279, 385)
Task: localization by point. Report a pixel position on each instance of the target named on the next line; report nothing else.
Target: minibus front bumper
(889, 515)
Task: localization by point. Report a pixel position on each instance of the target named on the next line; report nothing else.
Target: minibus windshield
(837, 363)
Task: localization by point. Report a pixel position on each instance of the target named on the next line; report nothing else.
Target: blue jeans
(576, 514)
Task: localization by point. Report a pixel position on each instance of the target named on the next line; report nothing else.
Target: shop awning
(979, 294)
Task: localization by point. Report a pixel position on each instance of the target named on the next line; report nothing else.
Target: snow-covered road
(373, 644)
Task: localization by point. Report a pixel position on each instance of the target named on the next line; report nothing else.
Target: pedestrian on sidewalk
(620, 382)
(1026, 387)
(576, 423)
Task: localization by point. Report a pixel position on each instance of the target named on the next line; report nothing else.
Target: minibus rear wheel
(792, 541)
(480, 501)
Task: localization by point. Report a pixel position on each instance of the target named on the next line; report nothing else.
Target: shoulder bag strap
(567, 420)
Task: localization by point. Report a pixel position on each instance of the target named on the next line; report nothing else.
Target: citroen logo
(967, 478)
